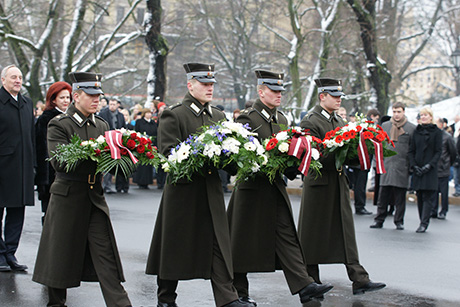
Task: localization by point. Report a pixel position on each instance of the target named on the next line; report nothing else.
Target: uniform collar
(325, 114)
(79, 118)
(195, 106)
(264, 111)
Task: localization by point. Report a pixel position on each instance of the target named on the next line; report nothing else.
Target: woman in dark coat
(57, 102)
(144, 173)
(424, 153)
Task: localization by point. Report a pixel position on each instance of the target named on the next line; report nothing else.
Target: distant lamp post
(456, 59)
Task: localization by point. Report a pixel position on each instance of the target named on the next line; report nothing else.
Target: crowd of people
(256, 233)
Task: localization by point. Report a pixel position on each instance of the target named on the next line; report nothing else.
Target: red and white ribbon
(363, 154)
(114, 139)
(296, 148)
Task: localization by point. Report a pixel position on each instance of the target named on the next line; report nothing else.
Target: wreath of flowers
(279, 155)
(345, 142)
(225, 144)
(133, 149)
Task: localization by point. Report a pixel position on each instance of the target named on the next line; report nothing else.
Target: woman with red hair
(58, 99)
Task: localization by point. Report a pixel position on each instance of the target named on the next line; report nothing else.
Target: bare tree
(75, 44)
(158, 51)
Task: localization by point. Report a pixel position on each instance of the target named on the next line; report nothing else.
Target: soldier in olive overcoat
(191, 237)
(77, 242)
(262, 226)
(326, 227)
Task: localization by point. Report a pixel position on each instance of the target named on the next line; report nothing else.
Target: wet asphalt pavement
(420, 270)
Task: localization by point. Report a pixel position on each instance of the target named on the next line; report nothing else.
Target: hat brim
(336, 93)
(275, 87)
(205, 80)
(92, 91)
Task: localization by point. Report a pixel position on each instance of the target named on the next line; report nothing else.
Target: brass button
(209, 172)
(91, 187)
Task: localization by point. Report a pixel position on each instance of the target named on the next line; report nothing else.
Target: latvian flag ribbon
(114, 139)
(363, 154)
(296, 149)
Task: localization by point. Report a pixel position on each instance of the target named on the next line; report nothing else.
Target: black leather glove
(418, 170)
(425, 169)
(291, 172)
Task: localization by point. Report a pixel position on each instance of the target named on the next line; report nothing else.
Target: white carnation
(100, 139)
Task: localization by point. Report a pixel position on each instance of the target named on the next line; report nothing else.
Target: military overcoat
(17, 151)
(397, 166)
(192, 213)
(63, 260)
(252, 208)
(326, 227)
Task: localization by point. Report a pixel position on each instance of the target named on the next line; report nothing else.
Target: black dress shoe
(441, 216)
(421, 229)
(166, 304)
(247, 299)
(313, 290)
(370, 286)
(14, 265)
(363, 211)
(376, 225)
(399, 226)
(239, 303)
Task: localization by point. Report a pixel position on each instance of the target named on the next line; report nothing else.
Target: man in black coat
(16, 164)
(116, 120)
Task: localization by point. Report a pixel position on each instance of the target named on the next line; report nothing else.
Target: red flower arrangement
(119, 150)
(355, 140)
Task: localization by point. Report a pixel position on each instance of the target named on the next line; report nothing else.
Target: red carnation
(140, 149)
(358, 128)
(316, 140)
(133, 136)
(124, 151)
(338, 139)
(271, 144)
(97, 152)
(367, 135)
(380, 137)
(150, 147)
(131, 144)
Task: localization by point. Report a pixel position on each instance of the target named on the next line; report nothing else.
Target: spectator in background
(57, 102)
(448, 156)
(136, 113)
(127, 118)
(424, 152)
(236, 113)
(249, 103)
(393, 184)
(39, 108)
(17, 156)
(144, 173)
(343, 113)
(116, 120)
